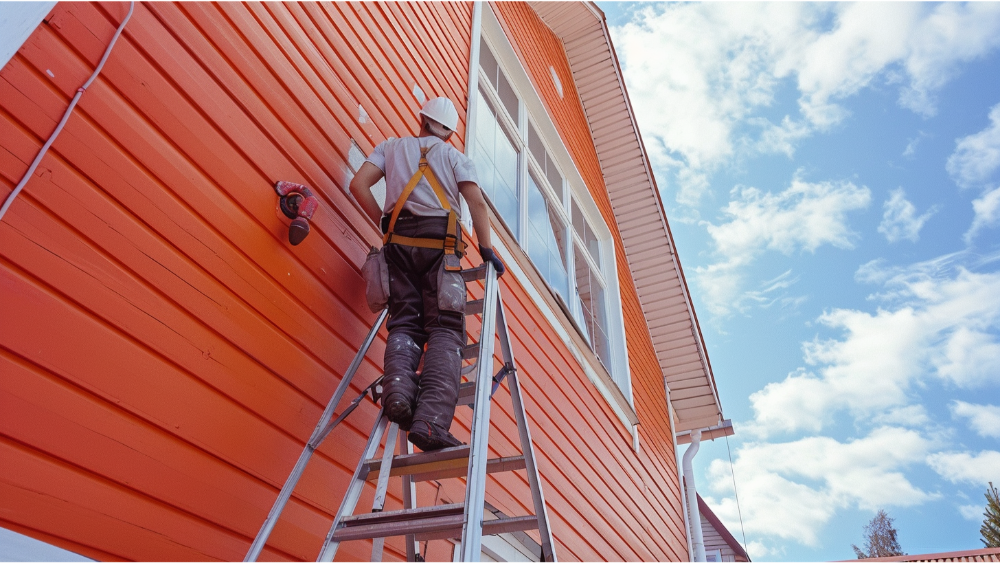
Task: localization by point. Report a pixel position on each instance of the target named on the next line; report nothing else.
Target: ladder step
(426, 462)
(474, 307)
(427, 519)
(441, 464)
(470, 352)
(467, 393)
(432, 522)
(473, 274)
(490, 527)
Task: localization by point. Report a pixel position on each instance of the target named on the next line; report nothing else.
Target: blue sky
(832, 177)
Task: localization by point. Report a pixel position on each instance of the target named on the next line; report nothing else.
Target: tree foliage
(991, 524)
(880, 538)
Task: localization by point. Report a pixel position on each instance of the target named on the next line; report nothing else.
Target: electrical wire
(738, 510)
(62, 123)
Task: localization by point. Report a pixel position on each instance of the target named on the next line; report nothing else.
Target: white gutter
(697, 540)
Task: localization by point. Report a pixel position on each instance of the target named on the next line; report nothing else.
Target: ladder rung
(424, 462)
(399, 522)
(490, 527)
(441, 526)
(495, 465)
(441, 464)
(470, 352)
(467, 393)
(474, 307)
(473, 274)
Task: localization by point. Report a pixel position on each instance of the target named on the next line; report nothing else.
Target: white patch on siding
(419, 94)
(50, 73)
(362, 114)
(17, 21)
(355, 157)
(555, 78)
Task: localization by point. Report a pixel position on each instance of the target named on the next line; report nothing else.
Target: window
(542, 210)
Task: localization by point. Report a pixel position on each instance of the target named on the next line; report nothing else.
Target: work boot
(398, 409)
(429, 437)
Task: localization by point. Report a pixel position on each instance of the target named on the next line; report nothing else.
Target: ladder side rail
(383, 485)
(353, 494)
(319, 433)
(475, 483)
(527, 446)
(409, 497)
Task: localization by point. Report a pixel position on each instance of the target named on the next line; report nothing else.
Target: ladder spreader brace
(460, 520)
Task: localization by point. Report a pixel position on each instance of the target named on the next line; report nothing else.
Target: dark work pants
(414, 320)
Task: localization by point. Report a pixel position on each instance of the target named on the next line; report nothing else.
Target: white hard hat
(442, 111)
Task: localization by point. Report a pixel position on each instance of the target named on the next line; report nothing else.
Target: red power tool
(298, 204)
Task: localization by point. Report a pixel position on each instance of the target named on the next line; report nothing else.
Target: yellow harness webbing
(451, 242)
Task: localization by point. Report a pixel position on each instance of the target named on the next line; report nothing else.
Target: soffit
(662, 289)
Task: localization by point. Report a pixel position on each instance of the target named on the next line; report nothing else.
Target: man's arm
(361, 188)
(473, 195)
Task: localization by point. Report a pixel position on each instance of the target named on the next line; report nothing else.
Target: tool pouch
(376, 275)
(451, 286)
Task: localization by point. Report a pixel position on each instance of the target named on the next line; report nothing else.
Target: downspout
(697, 540)
(680, 476)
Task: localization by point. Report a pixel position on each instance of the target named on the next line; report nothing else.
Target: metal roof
(663, 292)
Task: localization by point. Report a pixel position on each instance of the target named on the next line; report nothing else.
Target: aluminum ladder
(459, 520)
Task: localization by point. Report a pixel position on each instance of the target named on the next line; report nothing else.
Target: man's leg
(442, 371)
(406, 339)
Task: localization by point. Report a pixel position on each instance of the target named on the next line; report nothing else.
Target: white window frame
(18, 21)
(616, 383)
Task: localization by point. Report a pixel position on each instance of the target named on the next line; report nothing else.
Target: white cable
(65, 117)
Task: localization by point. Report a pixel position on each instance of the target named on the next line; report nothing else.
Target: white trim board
(18, 21)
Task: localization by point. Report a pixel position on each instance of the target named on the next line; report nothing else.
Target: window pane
(554, 178)
(508, 97)
(593, 309)
(582, 227)
(535, 146)
(496, 163)
(546, 240)
(488, 62)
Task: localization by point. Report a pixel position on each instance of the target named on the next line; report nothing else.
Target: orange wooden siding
(165, 353)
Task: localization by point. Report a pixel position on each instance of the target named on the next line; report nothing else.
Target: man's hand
(490, 256)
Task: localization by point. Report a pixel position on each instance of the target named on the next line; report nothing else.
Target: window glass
(593, 309)
(549, 169)
(496, 159)
(546, 244)
(488, 63)
(586, 233)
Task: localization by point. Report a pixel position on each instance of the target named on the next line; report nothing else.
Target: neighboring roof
(988, 554)
(663, 291)
(722, 530)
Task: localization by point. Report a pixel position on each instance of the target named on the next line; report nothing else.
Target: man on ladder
(422, 247)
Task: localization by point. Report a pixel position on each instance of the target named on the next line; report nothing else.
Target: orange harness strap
(451, 242)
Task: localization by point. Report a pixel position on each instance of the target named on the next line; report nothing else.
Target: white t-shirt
(399, 159)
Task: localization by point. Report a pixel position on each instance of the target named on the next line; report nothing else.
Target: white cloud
(977, 156)
(790, 490)
(728, 61)
(962, 467)
(984, 419)
(939, 325)
(900, 220)
(987, 209)
(972, 512)
(802, 218)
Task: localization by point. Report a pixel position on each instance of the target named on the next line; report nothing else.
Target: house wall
(165, 353)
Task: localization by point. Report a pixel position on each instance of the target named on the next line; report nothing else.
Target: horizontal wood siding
(165, 353)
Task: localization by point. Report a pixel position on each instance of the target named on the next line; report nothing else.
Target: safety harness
(451, 243)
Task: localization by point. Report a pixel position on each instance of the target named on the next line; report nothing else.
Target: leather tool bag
(376, 275)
